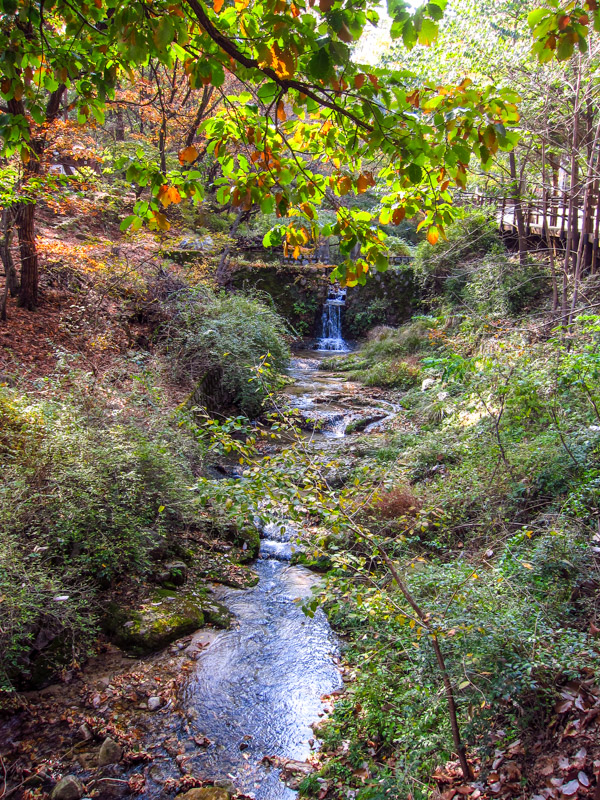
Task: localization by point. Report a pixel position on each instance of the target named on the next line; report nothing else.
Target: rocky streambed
(226, 709)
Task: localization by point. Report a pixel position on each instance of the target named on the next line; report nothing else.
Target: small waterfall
(331, 337)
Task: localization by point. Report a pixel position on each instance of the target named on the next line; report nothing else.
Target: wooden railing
(557, 213)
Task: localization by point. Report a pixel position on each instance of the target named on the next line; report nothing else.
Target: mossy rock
(245, 536)
(358, 425)
(248, 538)
(167, 616)
(321, 563)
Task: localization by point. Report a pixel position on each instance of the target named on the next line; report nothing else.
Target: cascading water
(331, 338)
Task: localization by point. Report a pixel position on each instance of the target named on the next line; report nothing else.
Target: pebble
(154, 703)
(85, 732)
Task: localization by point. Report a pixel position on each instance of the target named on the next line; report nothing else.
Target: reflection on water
(257, 688)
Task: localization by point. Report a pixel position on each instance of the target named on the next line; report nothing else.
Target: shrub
(442, 266)
(234, 334)
(395, 503)
(388, 342)
(80, 506)
(390, 374)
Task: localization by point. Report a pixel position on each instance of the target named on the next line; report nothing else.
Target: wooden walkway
(542, 233)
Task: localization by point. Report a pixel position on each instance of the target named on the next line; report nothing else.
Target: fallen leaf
(583, 779)
(570, 788)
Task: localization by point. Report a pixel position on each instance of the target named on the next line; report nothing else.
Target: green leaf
(127, 222)
(415, 173)
(320, 64)
(565, 48)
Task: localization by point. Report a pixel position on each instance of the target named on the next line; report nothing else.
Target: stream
(257, 688)
(250, 693)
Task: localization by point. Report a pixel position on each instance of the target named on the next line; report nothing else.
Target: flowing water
(331, 322)
(255, 689)
(258, 687)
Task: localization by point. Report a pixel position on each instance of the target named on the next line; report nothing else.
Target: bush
(390, 374)
(388, 342)
(80, 507)
(470, 237)
(237, 335)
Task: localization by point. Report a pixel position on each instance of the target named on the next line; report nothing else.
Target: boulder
(167, 616)
(110, 753)
(156, 624)
(68, 788)
(174, 573)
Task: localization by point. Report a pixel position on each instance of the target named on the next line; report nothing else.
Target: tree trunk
(200, 114)
(10, 271)
(572, 222)
(222, 268)
(25, 211)
(519, 220)
(546, 231)
(583, 236)
(28, 294)
(120, 126)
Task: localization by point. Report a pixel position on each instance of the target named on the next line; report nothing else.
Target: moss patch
(167, 616)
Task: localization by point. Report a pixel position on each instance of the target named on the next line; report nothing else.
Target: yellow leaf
(188, 155)
(526, 565)
(281, 115)
(344, 185)
(433, 235)
(160, 221)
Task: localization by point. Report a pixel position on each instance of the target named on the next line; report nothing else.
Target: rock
(224, 783)
(292, 772)
(178, 572)
(85, 732)
(358, 425)
(110, 753)
(217, 614)
(427, 384)
(173, 574)
(157, 545)
(154, 703)
(246, 537)
(167, 617)
(68, 788)
(206, 793)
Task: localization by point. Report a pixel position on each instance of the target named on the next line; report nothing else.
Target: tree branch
(251, 63)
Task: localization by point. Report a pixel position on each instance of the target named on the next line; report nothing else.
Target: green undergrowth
(238, 337)
(83, 503)
(98, 474)
(489, 504)
(386, 359)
